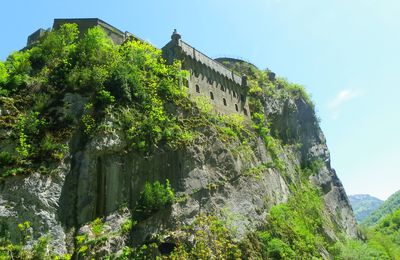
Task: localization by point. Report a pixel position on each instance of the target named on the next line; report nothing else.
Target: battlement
(212, 64)
(84, 24)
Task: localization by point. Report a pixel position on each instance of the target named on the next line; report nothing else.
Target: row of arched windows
(222, 88)
(224, 100)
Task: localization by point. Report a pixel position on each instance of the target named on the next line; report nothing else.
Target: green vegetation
(130, 89)
(212, 241)
(154, 197)
(294, 229)
(39, 249)
(390, 205)
(126, 87)
(383, 241)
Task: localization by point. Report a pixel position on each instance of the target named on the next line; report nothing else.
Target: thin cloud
(344, 96)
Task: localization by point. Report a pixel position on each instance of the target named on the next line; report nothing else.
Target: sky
(346, 54)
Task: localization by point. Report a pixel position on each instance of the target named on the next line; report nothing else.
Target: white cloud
(344, 96)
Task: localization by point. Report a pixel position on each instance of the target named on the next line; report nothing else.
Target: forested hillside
(364, 205)
(389, 206)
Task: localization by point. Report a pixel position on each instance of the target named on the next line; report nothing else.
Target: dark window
(211, 95)
(210, 81)
(236, 107)
(224, 100)
(234, 93)
(222, 88)
(245, 111)
(197, 89)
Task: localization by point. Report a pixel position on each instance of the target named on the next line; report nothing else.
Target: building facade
(226, 91)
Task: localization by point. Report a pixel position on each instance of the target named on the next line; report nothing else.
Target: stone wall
(84, 24)
(34, 37)
(226, 96)
(226, 90)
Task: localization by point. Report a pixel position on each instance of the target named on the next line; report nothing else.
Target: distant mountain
(390, 205)
(363, 205)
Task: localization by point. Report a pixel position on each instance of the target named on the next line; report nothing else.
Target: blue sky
(346, 53)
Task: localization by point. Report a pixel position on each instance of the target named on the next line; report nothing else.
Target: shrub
(97, 227)
(19, 69)
(6, 158)
(89, 124)
(295, 227)
(154, 197)
(212, 240)
(127, 226)
(3, 74)
(28, 128)
(105, 97)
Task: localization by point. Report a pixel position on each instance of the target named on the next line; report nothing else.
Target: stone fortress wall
(225, 90)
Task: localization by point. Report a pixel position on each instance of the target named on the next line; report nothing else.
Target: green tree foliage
(389, 206)
(294, 228)
(3, 79)
(92, 66)
(382, 241)
(19, 68)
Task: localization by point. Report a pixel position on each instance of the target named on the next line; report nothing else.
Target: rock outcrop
(100, 176)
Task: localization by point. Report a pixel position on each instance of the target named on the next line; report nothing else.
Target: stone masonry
(226, 91)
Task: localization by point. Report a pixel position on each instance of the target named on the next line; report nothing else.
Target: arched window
(234, 93)
(224, 100)
(222, 88)
(245, 111)
(211, 95)
(237, 108)
(197, 89)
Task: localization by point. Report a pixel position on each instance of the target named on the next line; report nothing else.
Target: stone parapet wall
(212, 64)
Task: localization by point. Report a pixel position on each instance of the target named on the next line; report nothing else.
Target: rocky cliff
(233, 172)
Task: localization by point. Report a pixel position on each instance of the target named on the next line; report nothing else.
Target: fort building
(226, 90)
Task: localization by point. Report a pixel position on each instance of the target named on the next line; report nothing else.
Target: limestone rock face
(295, 122)
(34, 198)
(100, 176)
